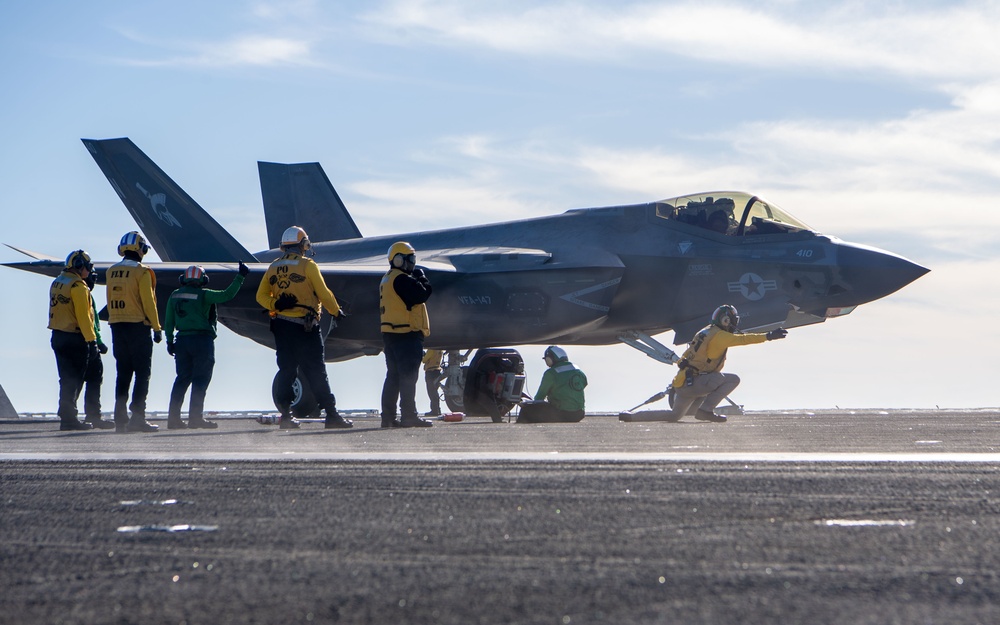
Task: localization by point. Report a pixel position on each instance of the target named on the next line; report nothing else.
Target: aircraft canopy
(732, 213)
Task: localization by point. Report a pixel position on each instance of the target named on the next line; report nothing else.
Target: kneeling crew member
(71, 319)
(402, 293)
(191, 309)
(294, 293)
(700, 380)
(131, 314)
(560, 397)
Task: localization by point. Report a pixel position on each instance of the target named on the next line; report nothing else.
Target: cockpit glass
(730, 213)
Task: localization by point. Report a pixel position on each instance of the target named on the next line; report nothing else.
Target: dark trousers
(297, 350)
(194, 359)
(71, 361)
(544, 412)
(431, 378)
(403, 353)
(92, 385)
(132, 345)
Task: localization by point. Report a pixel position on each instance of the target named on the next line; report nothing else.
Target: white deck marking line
(860, 457)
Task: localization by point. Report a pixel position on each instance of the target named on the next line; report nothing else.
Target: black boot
(335, 421)
(100, 424)
(73, 424)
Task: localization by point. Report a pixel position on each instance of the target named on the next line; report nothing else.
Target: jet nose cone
(868, 273)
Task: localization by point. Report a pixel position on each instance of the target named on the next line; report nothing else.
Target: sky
(876, 122)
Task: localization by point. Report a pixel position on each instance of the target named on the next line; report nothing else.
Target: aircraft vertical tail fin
(176, 226)
(300, 194)
(7, 410)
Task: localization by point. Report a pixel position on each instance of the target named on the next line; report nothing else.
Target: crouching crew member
(700, 382)
(132, 314)
(94, 377)
(294, 293)
(560, 397)
(191, 309)
(402, 295)
(71, 319)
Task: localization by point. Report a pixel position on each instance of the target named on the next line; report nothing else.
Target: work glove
(91, 345)
(780, 333)
(170, 348)
(418, 273)
(285, 301)
(244, 270)
(101, 347)
(157, 336)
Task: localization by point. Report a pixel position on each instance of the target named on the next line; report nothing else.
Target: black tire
(478, 400)
(455, 405)
(304, 403)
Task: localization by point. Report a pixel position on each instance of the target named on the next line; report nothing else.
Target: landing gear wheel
(481, 397)
(304, 403)
(455, 404)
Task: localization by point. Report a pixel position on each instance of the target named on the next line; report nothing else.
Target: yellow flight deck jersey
(69, 306)
(707, 352)
(395, 316)
(130, 294)
(432, 360)
(301, 277)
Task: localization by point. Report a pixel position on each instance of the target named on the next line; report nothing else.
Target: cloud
(950, 43)
(243, 50)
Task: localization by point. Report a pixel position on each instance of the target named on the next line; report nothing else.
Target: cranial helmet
(554, 354)
(79, 260)
(295, 236)
(726, 317)
(402, 256)
(133, 242)
(194, 276)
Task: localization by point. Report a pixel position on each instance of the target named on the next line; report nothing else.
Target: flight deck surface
(795, 516)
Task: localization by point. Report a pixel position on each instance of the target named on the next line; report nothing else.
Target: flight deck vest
(62, 315)
(396, 317)
(288, 275)
(191, 314)
(697, 353)
(124, 300)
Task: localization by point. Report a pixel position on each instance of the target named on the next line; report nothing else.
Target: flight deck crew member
(294, 293)
(432, 373)
(560, 397)
(402, 295)
(191, 309)
(700, 380)
(132, 314)
(94, 377)
(71, 319)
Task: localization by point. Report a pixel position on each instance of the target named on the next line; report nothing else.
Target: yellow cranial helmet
(79, 260)
(133, 242)
(295, 236)
(402, 256)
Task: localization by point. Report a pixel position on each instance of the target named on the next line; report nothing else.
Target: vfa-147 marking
(590, 276)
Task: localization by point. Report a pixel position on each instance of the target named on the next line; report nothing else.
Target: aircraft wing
(35, 255)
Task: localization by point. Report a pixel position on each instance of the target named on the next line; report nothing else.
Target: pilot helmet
(402, 256)
(726, 317)
(554, 354)
(295, 236)
(194, 276)
(133, 242)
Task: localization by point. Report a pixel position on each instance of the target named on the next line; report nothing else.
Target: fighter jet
(588, 276)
